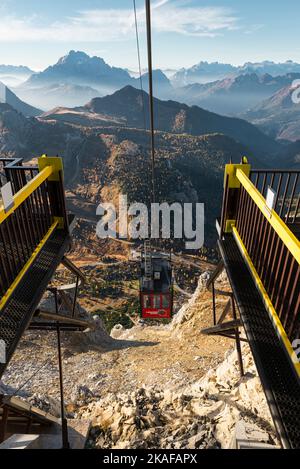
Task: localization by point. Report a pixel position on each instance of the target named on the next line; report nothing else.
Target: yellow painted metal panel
(26, 191)
(285, 234)
(231, 170)
(60, 222)
(55, 162)
(268, 303)
(229, 225)
(27, 265)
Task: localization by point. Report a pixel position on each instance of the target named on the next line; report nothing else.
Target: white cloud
(118, 24)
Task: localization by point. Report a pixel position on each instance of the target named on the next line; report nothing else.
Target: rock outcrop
(202, 416)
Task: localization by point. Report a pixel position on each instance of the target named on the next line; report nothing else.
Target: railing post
(232, 188)
(55, 184)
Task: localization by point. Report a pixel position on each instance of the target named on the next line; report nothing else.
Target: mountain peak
(126, 93)
(79, 68)
(73, 56)
(158, 75)
(79, 58)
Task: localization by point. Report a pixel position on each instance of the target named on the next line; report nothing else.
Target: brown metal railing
(286, 185)
(12, 170)
(273, 261)
(39, 208)
(21, 233)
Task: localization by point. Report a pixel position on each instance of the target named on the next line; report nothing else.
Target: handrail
(268, 303)
(28, 264)
(26, 191)
(264, 238)
(275, 171)
(37, 209)
(285, 234)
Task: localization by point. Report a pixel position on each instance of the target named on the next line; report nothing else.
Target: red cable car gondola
(156, 285)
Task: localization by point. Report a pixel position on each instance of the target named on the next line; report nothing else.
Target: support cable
(139, 63)
(150, 74)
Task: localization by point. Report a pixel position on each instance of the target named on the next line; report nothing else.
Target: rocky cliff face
(203, 415)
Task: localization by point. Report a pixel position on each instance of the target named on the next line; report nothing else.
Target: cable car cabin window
(165, 301)
(156, 301)
(147, 301)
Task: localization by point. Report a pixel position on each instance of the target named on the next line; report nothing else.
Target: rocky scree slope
(149, 386)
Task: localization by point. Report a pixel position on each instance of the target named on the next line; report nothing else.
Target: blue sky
(37, 32)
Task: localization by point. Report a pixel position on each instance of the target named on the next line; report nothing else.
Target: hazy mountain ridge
(15, 70)
(79, 68)
(14, 75)
(114, 159)
(223, 88)
(205, 72)
(125, 108)
(58, 94)
(278, 116)
(127, 104)
(235, 95)
(8, 97)
(76, 78)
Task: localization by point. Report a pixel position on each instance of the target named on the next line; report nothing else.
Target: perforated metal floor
(277, 374)
(18, 311)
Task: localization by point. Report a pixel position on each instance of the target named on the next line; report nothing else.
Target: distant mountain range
(57, 94)
(102, 162)
(77, 78)
(254, 91)
(222, 88)
(8, 97)
(105, 161)
(15, 70)
(205, 72)
(12, 75)
(235, 95)
(80, 69)
(278, 116)
(125, 107)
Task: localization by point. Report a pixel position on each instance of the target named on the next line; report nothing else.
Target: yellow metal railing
(284, 233)
(27, 266)
(25, 192)
(270, 250)
(37, 209)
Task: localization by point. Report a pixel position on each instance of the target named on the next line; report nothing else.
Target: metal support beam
(237, 339)
(4, 424)
(64, 422)
(75, 296)
(214, 304)
(231, 327)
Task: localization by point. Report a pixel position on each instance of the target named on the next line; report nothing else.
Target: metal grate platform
(19, 309)
(278, 377)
